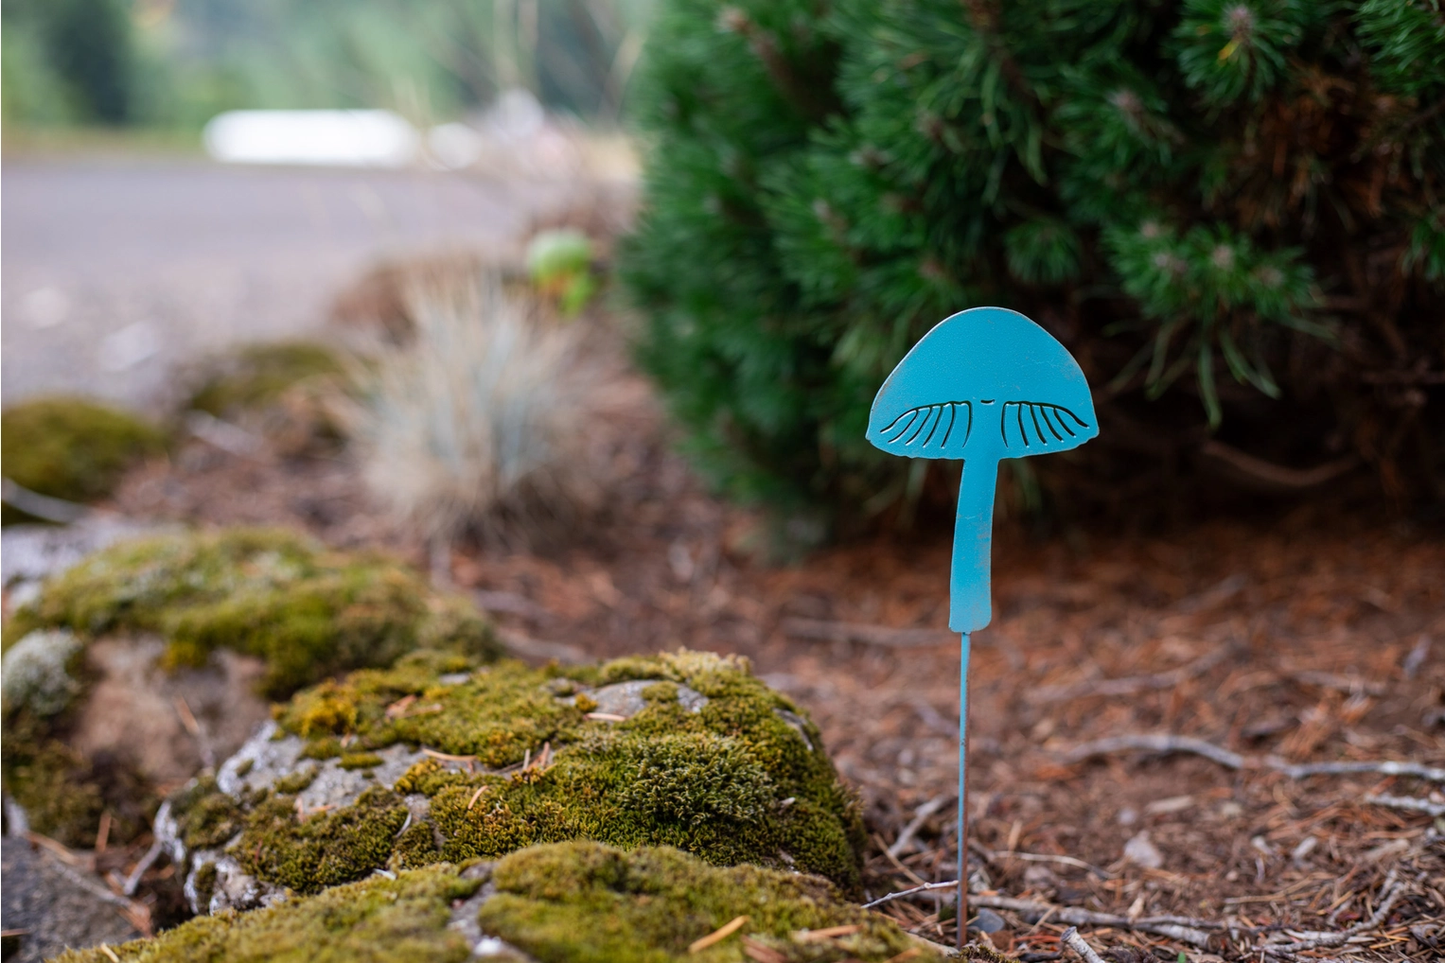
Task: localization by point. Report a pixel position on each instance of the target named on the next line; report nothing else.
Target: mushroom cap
(986, 382)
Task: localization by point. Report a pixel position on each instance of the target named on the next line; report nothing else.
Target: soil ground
(1299, 636)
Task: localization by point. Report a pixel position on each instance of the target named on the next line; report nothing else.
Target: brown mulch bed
(1304, 638)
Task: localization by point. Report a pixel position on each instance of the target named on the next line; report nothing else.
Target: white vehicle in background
(336, 138)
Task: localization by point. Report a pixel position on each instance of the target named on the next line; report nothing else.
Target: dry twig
(1407, 802)
(824, 631)
(1182, 928)
(1164, 742)
(925, 888)
(920, 816)
(1071, 938)
(1390, 891)
(718, 935)
(525, 647)
(1132, 684)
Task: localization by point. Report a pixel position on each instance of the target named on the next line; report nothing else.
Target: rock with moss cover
(257, 375)
(70, 448)
(280, 390)
(154, 658)
(573, 902)
(437, 759)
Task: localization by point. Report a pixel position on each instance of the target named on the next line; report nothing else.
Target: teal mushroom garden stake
(984, 385)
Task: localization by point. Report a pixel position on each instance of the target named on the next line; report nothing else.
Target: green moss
(584, 902)
(296, 781)
(258, 375)
(378, 921)
(734, 782)
(205, 882)
(415, 846)
(327, 747)
(49, 780)
(70, 448)
(568, 903)
(359, 760)
(308, 612)
(309, 853)
(63, 792)
(205, 816)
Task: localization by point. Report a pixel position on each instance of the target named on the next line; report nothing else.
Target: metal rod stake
(962, 906)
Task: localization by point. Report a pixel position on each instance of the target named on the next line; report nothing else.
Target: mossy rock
(258, 375)
(575, 902)
(197, 601)
(70, 448)
(420, 763)
(308, 612)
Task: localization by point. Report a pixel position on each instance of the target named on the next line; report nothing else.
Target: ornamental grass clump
(1228, 210)
(475, 423)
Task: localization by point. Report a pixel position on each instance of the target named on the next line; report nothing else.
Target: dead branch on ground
(1071, 938)
(1132, 684)
(1165, 743)
(819, 630)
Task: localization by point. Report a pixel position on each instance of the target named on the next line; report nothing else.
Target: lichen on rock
(573, 902)
(698, 754)
(38, 672)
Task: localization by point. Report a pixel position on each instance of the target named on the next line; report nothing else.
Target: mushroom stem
(970, 607)
(962, 904)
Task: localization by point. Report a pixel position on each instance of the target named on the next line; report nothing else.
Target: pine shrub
(1230, 210)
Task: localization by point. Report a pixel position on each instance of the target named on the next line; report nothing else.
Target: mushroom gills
(942, 422)
(1050, 423)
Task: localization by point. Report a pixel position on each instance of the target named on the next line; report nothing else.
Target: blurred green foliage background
(176, 63)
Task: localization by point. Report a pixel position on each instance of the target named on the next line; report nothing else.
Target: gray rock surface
(57, 906)
(625, 698)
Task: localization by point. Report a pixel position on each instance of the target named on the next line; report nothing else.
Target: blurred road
(114, 270)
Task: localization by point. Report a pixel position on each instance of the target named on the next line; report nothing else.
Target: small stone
(1164, 807)
(987, 921)
(1040, 877)
(1141, 851)
(1128, 816)
(626, 698)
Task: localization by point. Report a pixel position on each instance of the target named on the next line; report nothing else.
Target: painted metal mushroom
(983, 385)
